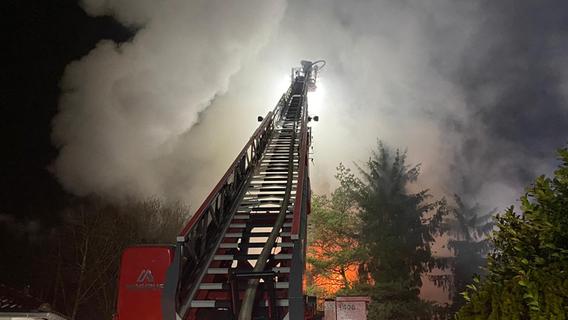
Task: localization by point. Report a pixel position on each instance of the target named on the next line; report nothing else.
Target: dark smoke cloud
(476, 90)
(513, 80)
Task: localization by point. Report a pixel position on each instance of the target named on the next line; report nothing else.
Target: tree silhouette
(468, 231)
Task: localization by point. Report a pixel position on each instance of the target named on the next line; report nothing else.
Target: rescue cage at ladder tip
(242, 254)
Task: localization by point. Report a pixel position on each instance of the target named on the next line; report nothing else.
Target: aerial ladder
(242, 255)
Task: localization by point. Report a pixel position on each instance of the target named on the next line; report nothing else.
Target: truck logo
(145, 281)
(145, 277)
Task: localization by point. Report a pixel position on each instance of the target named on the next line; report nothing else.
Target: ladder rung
(254, 234)
(270, 183)
(227, 304)
(247, 216)
(226, 270)
(256, 211)
(223, 286)
(235, 245)
(260, 201)
(206, 303)
(262, 224)
(263, 197)
(230, 257)
(237, 225)
(274, 208)
(211, 286)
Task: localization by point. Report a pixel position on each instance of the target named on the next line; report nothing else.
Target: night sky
(41, 38)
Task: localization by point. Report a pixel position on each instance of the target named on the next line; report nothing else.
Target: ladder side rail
(298, 231)
(303, 163)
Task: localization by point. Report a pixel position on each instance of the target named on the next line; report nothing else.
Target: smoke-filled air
(475, 90)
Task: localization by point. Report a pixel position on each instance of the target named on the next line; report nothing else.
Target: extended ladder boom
(242, 254)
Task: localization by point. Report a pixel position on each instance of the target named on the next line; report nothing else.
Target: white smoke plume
(124, 106)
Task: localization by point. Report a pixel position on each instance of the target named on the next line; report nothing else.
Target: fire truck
(242, 255)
